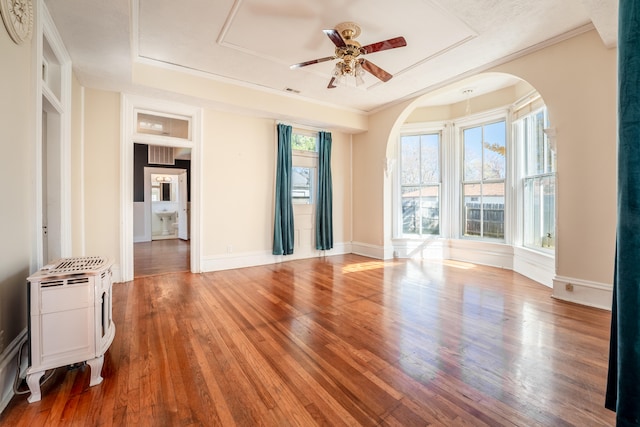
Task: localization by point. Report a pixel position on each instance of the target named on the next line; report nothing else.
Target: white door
(51, 183)
(183, 213)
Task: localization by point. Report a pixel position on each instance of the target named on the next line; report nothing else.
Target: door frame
(130, 104)
(148, 205)
(53, 97)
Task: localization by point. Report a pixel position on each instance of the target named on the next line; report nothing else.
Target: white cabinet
(70, 317)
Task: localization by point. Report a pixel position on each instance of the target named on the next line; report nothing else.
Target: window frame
(524, 177)
(483, 119)
(399, 224)
(306, 159)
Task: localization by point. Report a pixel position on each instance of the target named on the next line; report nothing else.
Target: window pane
(160, 125)
(539, 212)
(410, 155)
(484, 210)
(494, 150)
(303, 142)
(302, 185)
(430, 209)
(421, 210)
(472, 154)
(483, 180)
(420, 183)
(549, 211)
(472, 196)
(430, 158)
(410, 210)
(532, 231)
(538, 183)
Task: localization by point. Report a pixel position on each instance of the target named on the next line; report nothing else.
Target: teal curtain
(623, 383)
(324, 206)
(283, 219)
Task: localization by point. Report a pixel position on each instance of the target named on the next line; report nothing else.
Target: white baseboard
(535, 265)
(371, 251)
(116, 273)
(435, 248)
(599, 295)
(8, 365)
(251, 259)
(485, 253)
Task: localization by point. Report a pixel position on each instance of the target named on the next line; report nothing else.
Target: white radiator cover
(70, 317)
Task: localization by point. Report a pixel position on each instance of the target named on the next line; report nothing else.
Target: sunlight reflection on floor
(364, 266)
(458, 264)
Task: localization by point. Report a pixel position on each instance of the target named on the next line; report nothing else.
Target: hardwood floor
(342, 340)
(161, 256)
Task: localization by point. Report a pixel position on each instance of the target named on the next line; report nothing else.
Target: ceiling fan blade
(313, 61)
(331, 85)
(335, 37)
(375, 70)
(384, 45)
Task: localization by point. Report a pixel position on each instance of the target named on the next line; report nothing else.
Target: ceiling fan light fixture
(348, 52)
(359, 74)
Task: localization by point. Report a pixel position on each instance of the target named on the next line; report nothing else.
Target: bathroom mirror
(165, 193)
(162, 189)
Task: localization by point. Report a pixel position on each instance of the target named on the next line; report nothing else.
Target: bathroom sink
(165, 214)
(165, 217)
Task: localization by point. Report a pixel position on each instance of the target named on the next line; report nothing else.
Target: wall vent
(161, 155)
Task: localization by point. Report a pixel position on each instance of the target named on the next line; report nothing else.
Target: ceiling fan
(349, 52)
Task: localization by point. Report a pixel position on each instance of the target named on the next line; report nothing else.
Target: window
(153, 124)
(304, 164)
(483, 180)
(539, 182)
(302, 188)
(420, 183)
(303, 142)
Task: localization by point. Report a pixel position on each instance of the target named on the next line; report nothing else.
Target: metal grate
(77, 265)
(161, 155)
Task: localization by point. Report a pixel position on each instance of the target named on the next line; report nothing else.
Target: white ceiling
(253, 42)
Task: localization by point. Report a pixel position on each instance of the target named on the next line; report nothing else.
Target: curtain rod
(299, 126)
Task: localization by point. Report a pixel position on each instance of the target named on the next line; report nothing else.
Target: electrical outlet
(229, 249)
(569, 287)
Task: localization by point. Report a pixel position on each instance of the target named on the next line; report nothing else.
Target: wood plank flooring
(342, 340)
(161, 256)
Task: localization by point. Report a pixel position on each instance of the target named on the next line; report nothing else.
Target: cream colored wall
(239, 157)
(18, 248)
(478, 104)
(341, 178)
(102, 173)
(370, 185)
(577, 79)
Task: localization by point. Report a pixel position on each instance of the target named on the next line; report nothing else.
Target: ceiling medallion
(18, 18)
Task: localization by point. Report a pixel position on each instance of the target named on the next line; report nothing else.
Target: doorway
(179, 127)
(161, 211)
